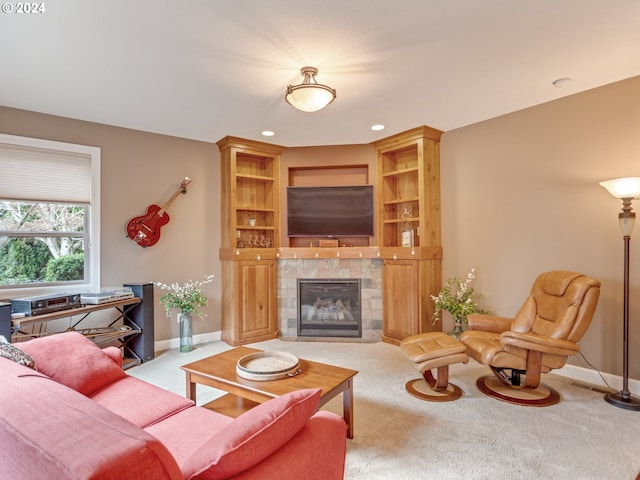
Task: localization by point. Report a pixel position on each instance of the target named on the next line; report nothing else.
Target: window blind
(46, 175)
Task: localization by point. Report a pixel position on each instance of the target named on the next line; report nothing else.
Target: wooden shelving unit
(127, 330)
(83, 310)
(250, 193)
(250, 235)
(408, 197)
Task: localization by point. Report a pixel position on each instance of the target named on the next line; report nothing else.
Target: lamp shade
(309, 96)
(628, 187)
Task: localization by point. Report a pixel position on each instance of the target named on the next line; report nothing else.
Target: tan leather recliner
(544, 332)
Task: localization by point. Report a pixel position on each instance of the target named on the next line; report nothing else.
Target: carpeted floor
(398, 436)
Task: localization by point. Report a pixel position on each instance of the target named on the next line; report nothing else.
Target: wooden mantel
(285, 253)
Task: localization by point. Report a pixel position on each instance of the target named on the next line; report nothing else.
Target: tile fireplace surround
(368, 270)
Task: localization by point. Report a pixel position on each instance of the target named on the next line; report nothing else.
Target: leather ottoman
(433, 350)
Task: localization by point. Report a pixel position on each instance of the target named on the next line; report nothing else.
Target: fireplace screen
(329, 308)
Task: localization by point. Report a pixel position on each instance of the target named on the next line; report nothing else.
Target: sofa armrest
(114, 354)
(80, 440)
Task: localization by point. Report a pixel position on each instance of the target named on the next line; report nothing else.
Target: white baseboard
(590, 376)
(162, 345)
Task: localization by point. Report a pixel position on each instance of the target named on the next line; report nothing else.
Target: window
(49, 216)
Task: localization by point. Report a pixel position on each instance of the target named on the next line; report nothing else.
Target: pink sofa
(79, 416)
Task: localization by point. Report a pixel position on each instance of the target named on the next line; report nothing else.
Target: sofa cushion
(73, 360)
(253, 436)
(14, 354)
(186, 431)
(141, 403)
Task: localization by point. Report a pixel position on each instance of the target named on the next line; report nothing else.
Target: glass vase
(186, 336)
(457, 330)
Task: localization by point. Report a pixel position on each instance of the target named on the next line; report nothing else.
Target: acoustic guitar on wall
(145, 229)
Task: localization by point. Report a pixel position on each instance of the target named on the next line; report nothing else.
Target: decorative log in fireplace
(329, 307)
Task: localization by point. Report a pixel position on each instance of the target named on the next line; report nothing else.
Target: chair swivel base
(419, 388)
(542, 396)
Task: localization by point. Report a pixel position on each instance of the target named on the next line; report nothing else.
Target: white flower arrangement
(458, 298)
(187, 297)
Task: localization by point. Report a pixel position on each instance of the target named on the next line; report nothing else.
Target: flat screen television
(344, 211)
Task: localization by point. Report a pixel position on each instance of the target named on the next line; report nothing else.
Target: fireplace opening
(329, 308)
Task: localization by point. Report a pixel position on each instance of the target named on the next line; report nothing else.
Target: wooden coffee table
(219, 371)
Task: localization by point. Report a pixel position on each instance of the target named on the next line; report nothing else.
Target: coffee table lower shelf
(231, 405)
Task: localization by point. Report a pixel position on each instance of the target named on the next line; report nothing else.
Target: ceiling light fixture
(377, 127)
(268, 133)
(309, 96)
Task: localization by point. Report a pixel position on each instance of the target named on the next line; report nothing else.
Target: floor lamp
(626, 189)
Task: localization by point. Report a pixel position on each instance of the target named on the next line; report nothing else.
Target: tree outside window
(42, 242)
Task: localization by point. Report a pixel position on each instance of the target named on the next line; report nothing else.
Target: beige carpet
(398, 436)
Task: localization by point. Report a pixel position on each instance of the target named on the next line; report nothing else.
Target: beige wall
(520, 195)
(139, 169)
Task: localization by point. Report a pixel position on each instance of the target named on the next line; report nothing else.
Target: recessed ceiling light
(268, 133)
(377, 127)
(561, 82)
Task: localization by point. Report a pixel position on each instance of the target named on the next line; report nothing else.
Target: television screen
(345, 211)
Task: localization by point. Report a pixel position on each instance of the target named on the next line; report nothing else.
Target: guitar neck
(183, 189)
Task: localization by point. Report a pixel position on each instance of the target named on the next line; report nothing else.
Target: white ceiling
(203, 69)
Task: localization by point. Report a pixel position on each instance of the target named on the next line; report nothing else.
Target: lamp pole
(626, 218)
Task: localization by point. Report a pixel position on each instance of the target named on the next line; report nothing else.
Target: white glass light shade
(628, 187)
(309, 96)
(627, 223)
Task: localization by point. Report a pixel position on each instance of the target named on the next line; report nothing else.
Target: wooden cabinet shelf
(257, 227)
(404, 171)
(395, 201)
(255, 177)
(255, 209)
(401, 220)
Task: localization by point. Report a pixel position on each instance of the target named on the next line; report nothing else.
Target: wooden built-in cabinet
(407, 192)
(408, 198)
(249, 238)
(253, 302)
